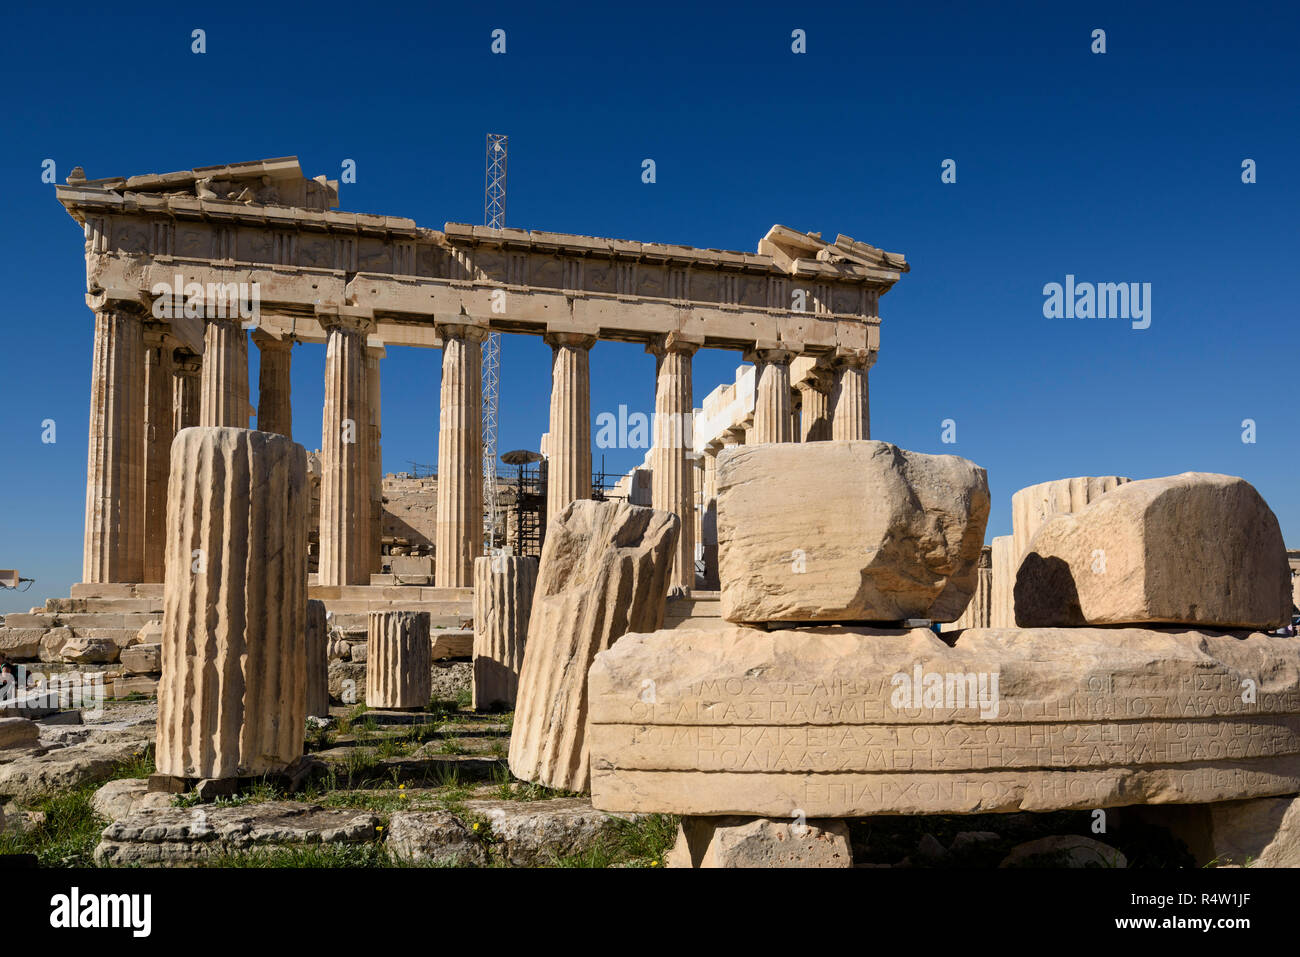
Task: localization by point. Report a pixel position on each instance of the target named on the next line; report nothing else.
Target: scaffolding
(494, 215)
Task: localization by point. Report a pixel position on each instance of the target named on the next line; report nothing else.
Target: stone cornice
(146, 231)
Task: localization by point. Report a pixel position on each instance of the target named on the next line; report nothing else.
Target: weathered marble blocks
(850, 722)
(604, 572)
(1195, 549)
(847, 531)
(1035, 504)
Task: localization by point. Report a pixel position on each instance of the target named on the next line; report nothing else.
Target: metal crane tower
(494, 215)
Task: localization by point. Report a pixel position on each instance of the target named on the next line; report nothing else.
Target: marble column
(815, 406)
(672, 487)
(233, 693)
(709, 516)
(159, 429)
(274, 402)
(772, 421)
(186, 368)
(223, 385)
(345, 432)
(374, 353)
(114, 545)
(697, 501)
(850, 406)
(568, 471)
(459, 533)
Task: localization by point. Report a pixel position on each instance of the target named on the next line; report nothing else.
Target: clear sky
(1117, 167)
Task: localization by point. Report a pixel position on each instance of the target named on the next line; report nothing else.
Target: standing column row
(345, 434)
(113, 547)
(672, 487)
(223, 388)
(850, 405)
(459, 532)
(185, 390)
(159, 429)
(373, 354)
(815, 406)
(772, 421)
(709, 516)
(568, 468)
(274, 401)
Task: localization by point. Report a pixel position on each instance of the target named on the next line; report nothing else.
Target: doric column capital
(572, 340)
(855, 358)
(461, 330)
(682, 343)
(770, 352)
(267, 342)
(347, 318)
(817, 380)
(130, 301)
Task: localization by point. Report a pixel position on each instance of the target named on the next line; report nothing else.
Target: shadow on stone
(1045, 594)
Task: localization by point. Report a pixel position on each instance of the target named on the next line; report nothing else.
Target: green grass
(345, 723)
(641, 843)
(316, 855)
(508, 788)
(139, 765)
(383, 801)
(318, 738)
(66, 837)
(257, 793)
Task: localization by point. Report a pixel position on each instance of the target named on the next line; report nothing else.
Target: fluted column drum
(399, 659)
(503, 600)
(232, 699)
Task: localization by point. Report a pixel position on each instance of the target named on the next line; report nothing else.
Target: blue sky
(1122, 167)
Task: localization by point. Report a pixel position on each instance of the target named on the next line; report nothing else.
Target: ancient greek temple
(179, 265)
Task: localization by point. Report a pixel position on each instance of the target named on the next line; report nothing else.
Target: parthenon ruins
(172, 259)
(769, 638)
